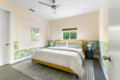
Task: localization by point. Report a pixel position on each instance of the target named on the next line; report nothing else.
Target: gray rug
(40, 72)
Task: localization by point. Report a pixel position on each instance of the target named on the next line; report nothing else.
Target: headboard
(83, 42)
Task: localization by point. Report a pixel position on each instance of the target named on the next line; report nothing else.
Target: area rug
(41, 72)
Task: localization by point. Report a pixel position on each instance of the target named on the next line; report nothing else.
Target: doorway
(6, 37)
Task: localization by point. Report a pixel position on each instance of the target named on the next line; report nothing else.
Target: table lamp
(89, 46)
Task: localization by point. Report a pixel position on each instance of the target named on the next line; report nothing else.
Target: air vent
(32, 10)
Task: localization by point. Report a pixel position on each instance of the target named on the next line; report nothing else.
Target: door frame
(11, 34)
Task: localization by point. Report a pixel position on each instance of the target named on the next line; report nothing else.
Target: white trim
(11, 34)
(6, 9)
(106, 76)
(69, 35)
(22, 59)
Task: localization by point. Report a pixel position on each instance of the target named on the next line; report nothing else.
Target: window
(70, 34)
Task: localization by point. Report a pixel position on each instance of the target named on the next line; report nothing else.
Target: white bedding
(62, 56)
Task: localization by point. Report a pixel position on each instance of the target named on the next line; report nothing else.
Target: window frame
(74, 29)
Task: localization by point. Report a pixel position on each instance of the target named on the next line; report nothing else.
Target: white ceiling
(75, 7)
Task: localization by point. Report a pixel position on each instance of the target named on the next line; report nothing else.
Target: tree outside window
(70, 35)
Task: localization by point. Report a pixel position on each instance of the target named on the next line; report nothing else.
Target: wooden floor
(8, 73)
(98, 70)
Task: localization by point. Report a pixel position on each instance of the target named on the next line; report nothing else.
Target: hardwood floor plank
(8, 73)
(99, 75)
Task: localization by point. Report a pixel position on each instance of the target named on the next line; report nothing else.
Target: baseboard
(106, 76)
(19, 60)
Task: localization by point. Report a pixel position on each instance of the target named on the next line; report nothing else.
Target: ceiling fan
(54, 6)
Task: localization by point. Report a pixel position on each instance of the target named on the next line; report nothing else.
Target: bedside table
(89, 54)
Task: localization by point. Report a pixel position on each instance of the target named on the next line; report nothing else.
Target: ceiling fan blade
(45, 4)
(65, 3)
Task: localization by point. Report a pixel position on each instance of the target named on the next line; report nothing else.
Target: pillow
(75, 45)
(60, 44)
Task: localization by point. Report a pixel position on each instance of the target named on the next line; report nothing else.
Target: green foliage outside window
(67, 35)
(73, 35)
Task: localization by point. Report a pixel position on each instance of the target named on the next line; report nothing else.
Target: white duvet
(67, 57)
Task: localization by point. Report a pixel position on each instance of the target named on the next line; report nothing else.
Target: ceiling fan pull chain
(53, 2)
(54, 11)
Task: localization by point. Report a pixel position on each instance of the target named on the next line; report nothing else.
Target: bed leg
(77, 76)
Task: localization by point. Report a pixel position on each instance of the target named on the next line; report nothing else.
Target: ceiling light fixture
(54, 6)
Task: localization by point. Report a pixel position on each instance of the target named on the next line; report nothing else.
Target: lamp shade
(89, 45)
(51, 44)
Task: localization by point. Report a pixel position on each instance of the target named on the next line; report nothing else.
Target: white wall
(24, 30)
(103, 35)
(103, 21)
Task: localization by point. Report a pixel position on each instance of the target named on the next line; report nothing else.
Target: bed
(64, 58)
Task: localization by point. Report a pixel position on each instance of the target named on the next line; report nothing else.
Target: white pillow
(75, 45)
(61, 44)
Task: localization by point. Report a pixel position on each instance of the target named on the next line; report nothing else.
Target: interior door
(4, 37)
(114, 39)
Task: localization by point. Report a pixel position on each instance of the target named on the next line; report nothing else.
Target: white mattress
(66, 57)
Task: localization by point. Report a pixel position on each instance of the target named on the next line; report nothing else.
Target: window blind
(68, 29)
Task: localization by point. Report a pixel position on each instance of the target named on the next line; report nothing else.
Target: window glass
(73, 34)
(70, 35)
(66, 35)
